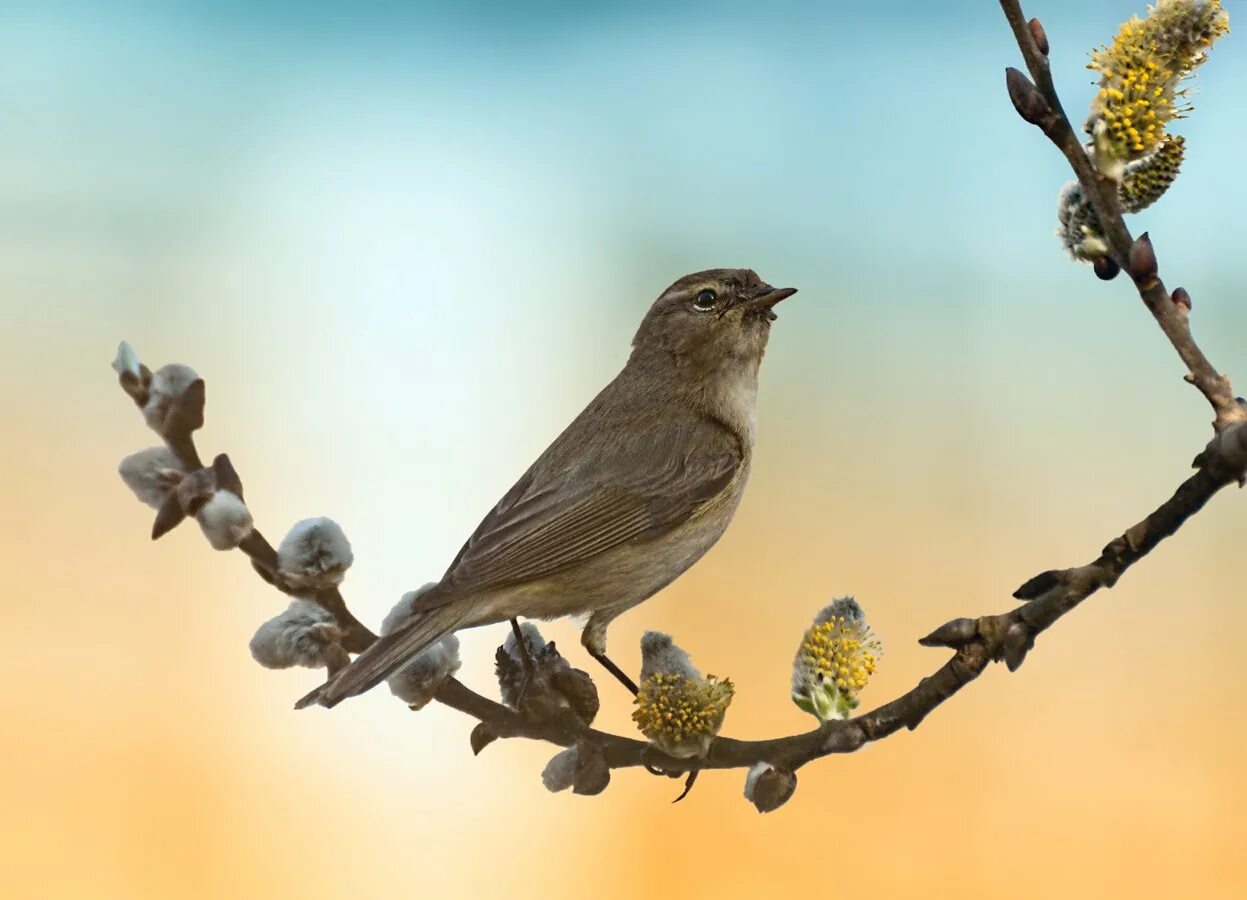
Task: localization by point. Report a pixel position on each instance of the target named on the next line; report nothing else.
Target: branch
(976, 642)
(1043, 109)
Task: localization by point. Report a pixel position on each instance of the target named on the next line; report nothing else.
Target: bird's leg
(619, 673)
(593, 639)
(526, 657)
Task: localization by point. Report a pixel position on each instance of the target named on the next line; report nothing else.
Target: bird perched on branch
(626, 499)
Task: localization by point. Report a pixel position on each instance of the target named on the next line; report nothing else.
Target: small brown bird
(626, 499)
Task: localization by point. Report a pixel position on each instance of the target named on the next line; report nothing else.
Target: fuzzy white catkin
(398, 616)
(314, 555)
(659, 654)
(416, 683)
(168, 384)
(304, 635)
(151, 474)
(560, 771)
(225, 520)
(532, 639)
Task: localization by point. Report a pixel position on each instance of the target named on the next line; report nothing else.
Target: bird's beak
(765, 301)
(771, 297)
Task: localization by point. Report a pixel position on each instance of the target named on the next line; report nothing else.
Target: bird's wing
(613, 493)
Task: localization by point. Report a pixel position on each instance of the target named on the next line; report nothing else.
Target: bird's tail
(388, 654)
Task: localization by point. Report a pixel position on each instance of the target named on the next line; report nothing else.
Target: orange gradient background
(401, 273)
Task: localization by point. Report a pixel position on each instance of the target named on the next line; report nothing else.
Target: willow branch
(1136, 257)
(976, 642)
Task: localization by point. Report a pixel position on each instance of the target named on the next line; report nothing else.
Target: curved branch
(976, 642)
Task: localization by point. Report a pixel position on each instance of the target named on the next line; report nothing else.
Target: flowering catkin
(676, 708)
(837, 656)
(314, 555)
(1141, 73)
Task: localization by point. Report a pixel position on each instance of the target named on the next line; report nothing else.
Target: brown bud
(227, 476)
(580, 692)
(1106, 268)
(1017, 643)
(952, 634)
(1026, 98)
(1142, 261)
(592, 773)
(1182, 298)
(481, 737)
(169, 516)
(187, 414)
(1040, 585)
(770, 789)
(1040, 36)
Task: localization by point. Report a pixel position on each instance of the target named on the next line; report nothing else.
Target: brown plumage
(631, 494)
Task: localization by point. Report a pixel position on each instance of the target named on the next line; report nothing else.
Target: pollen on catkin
(1146, 180)
(678, 709)
(1141, 73)
(837, 656)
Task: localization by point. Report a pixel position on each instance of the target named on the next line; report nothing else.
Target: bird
(633, 492)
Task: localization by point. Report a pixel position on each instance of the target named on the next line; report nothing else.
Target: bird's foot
(690, 777)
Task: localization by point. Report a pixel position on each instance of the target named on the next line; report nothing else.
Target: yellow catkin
(682, 714)
(1147, 179)
(1142, 69)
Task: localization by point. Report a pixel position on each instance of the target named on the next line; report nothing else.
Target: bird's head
(711, 319)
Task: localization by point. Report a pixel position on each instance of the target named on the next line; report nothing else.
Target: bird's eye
(705, 301)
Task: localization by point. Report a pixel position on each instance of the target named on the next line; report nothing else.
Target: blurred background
(406, 243)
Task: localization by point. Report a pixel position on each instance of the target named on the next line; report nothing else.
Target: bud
(304, 635)
(1027, 99)
(1040, 36)
(1182, 299)
(1018, 641)
(1106, 268)
(769, 788)
(481, 737)
(956, 633)
(1142, 261)
(676, 708)
(314, 555)
(837, 656)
